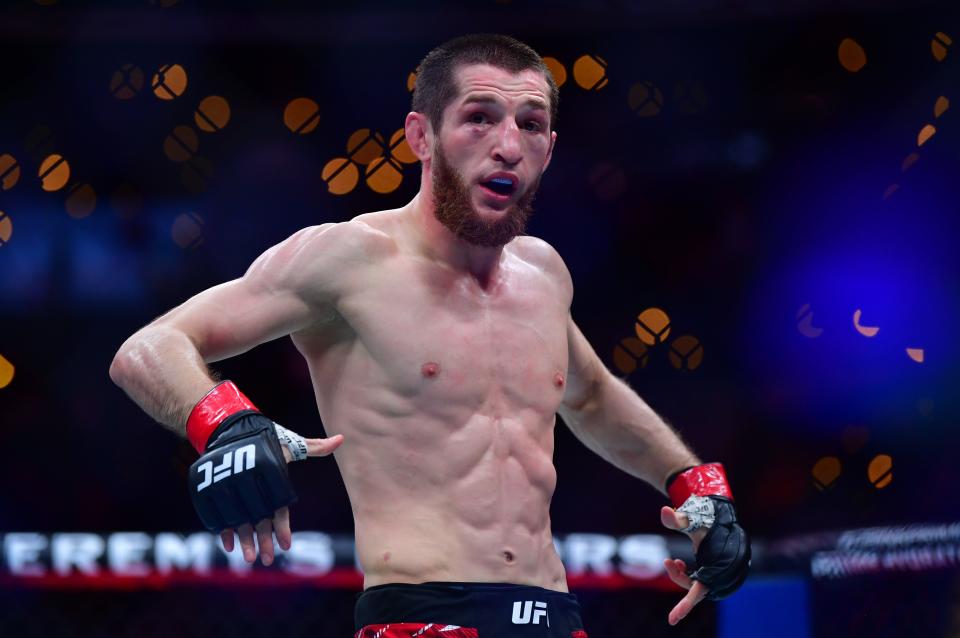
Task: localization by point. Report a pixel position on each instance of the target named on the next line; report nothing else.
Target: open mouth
(501, 187)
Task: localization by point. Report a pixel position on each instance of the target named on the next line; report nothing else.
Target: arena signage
(602, 560)
(910, 548)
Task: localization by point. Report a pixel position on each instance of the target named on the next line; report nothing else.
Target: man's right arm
(162, 366)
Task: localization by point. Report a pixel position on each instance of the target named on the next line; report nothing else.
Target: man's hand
(241, 482)
(280, 523)
(704, 510)
(677, 569)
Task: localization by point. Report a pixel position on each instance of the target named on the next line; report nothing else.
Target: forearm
(162, 371)
(619, 426)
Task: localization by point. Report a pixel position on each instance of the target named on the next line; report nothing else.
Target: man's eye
(478, 118)
(532, 126)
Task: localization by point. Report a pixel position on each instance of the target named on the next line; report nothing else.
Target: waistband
(467, 604)
(455, 586)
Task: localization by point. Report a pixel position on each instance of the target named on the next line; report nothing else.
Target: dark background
(759, 187)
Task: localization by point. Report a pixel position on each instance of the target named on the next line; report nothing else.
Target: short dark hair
(436, 84)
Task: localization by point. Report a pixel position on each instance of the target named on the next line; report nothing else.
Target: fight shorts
(466, 610)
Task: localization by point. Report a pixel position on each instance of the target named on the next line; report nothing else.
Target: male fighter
(441, 347)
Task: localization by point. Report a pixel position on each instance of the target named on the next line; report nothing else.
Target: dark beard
(453, 208)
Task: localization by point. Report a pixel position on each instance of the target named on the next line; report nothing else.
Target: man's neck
(436, 242)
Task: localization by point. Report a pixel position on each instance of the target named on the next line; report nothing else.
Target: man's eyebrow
(489, 99)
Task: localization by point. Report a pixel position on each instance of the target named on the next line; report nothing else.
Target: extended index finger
(696, 594)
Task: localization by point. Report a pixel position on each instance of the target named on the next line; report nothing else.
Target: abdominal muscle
(443, 487)
(471, 506)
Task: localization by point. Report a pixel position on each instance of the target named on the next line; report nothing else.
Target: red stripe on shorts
(416, 630)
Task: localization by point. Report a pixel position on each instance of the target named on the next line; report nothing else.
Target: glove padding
(723, 557)
(242, 476)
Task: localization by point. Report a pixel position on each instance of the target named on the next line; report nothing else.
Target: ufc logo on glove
(244, 459)
(235, 441)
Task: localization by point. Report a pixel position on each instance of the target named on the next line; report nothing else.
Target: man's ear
(553, 142)
(419, 135)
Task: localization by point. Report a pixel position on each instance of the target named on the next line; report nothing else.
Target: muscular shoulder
(321, 260)
(353, 240)
(346, 243)
(545, 257)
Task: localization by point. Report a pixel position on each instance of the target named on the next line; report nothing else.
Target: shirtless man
(441, 347)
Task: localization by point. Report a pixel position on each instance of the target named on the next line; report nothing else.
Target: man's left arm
(607, 416)
(614, 422)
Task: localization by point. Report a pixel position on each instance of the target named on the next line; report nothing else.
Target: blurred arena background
(758, 202)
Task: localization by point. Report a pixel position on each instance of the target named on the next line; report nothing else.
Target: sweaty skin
(446, 394)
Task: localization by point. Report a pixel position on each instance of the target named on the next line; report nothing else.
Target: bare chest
(443, 343)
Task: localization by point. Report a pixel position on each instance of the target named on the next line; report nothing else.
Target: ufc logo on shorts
(524, 609)
(233, 462)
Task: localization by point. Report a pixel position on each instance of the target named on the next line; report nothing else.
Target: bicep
(268, 302)
(584, 369)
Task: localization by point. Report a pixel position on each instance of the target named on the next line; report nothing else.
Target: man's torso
(446, 394)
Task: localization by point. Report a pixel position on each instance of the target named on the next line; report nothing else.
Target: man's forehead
(476, 79)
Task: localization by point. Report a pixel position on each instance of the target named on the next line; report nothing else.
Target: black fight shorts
(466, 610)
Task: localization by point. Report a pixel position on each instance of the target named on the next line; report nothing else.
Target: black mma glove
(723, 557)
(241, 475)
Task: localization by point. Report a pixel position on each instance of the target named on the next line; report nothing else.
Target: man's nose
(507, 149)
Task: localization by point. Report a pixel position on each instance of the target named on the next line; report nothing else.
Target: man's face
(488, 157)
